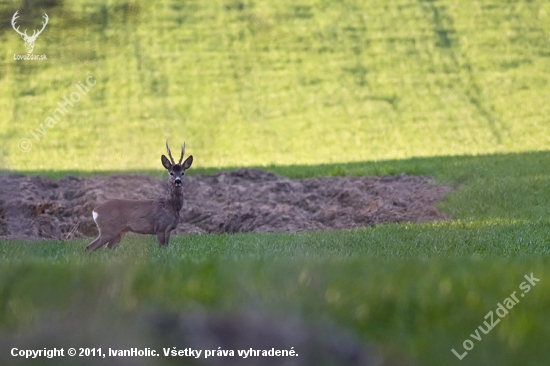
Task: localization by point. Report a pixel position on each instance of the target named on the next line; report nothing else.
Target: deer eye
(171, 173)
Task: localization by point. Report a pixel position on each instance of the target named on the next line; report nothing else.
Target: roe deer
(116, 217)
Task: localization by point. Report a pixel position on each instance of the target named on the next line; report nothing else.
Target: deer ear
(187, 163)
(165, 162)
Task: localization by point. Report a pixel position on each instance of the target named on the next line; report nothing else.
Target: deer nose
(177, 181)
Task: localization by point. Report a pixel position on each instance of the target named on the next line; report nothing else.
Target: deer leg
(93, 243)
(113, 243)
(167, 237)
(99, 242)
(160, 238)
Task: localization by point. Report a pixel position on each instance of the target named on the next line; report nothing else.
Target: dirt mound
(245, 200)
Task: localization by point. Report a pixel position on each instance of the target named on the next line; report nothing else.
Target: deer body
(116, 217)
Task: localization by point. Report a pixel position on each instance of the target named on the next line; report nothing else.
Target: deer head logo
(29, 40)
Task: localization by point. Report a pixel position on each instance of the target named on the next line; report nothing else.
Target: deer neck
(175, 197)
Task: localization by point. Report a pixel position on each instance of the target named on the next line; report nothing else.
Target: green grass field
(455, 90)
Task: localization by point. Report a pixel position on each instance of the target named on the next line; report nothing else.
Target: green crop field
(458, 90)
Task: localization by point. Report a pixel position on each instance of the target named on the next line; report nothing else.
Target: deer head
(29, 40)
(176, 171)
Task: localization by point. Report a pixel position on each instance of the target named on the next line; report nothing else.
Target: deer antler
(36, 32)
(169, 153)
(15, 16)
(182, 152)
(43, 26)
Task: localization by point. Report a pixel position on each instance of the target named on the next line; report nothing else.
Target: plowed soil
(245, 200)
